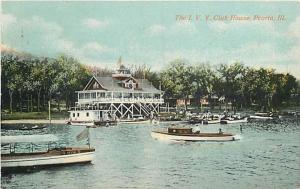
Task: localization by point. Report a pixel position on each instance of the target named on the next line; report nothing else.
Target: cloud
(94, 23)
(96, 47)
(45, 38)
(155, 30)
(294, 28)
(184, 27)
(178, 28)
(7, 19)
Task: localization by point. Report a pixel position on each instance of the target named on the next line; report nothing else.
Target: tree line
(28, 82)
(242, 86)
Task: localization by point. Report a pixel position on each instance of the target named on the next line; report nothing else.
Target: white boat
(14, 161)
(82, 123)
(91, 118)
(215, 121)
(231, 121)
(137, 121)
(186, 134)
(260, 117)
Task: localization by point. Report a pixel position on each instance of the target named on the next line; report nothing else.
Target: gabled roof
(112, 84)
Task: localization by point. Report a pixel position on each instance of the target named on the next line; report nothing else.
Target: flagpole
(89, 138)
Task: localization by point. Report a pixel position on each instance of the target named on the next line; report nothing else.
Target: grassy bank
(34, 115)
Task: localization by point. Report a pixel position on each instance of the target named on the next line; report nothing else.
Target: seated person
(220, 131)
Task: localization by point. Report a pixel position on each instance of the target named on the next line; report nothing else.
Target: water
(266, 156)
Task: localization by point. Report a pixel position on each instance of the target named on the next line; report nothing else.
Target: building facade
(121, 95)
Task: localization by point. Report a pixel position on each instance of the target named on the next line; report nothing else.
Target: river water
(266, 156)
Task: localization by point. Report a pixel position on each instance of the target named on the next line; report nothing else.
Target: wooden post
(49, 107)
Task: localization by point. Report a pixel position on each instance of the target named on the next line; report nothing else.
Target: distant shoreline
(34, 121)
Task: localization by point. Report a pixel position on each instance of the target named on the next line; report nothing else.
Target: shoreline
(34, 121)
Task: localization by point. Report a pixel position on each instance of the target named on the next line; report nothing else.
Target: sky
(155, 33)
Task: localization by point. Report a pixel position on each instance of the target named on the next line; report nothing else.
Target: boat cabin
(180, 130)
(91, 115)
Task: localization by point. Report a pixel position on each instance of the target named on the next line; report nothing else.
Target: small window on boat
(87, 114)
(77, 114)
(73, 114)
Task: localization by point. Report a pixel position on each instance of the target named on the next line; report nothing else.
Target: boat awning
(28, 139)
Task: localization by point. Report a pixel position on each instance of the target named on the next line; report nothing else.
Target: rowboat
(12, 160)
(187, 134)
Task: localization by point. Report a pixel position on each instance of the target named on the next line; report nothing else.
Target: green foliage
(240, 85)
(28, 80)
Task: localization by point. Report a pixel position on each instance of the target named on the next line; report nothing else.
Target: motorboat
(14, 160)
(187, 134)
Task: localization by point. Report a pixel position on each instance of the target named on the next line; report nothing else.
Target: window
(81, 96)
(93, 95)
(87, 114)
(117, 95)
(157, 96)
(73, 114)
(108, 95)
(87, 95)
(77, 114)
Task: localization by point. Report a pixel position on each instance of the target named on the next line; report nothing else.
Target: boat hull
(81, 123)
(211, 121)
(260, 117)
(172, 137)
(38, 161)
(234, 121)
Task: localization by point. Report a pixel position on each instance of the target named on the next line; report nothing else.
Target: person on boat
(196, 130)
(220, 131)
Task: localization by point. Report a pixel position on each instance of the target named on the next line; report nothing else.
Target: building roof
(111, 84)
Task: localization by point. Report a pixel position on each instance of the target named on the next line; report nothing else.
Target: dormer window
(130, 84)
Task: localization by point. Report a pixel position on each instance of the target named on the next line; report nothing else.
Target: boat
(187, 134)
(138, 119)
(260, 117)
(263, 116)
(231, 120)
(11, 160)
(82, 123)
(195, 120)
(91, 118)
(209, 121)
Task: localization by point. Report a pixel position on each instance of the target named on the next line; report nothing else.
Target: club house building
(120, 96)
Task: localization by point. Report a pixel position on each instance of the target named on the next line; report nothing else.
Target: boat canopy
(28, 139)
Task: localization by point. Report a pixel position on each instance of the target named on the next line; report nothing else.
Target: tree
(202, 81)
(230, 77)
(177, 80)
